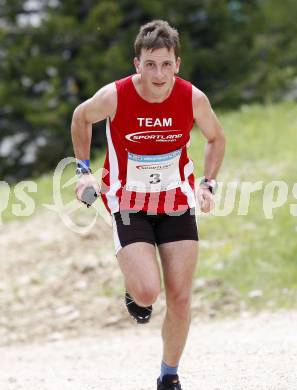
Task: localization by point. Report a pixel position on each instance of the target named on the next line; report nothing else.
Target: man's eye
(167, 63)
(149, 64)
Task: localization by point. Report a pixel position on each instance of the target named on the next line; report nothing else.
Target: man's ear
(136, 64)
(178, 61)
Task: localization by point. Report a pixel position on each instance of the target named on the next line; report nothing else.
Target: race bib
(153, 173)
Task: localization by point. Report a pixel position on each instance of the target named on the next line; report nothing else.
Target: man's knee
(180, 304)
(145, 295)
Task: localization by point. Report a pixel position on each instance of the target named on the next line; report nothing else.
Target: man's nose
(159, 71)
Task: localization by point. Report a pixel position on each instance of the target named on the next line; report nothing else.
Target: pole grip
(89, 196)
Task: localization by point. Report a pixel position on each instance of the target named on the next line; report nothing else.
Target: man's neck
(146, 94)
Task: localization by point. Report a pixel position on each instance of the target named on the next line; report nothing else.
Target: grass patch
(255, 254)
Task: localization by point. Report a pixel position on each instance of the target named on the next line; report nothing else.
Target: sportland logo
(153, 166)
(154, 135)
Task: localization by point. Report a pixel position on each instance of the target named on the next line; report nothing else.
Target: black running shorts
(129, 227)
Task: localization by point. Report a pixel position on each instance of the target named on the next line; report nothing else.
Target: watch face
(214, 186)
(211, 184)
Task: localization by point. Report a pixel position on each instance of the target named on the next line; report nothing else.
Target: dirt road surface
(248, 353)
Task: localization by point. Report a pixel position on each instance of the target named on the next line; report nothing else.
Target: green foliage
(59, 53)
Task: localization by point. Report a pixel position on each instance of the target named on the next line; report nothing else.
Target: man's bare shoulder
(108, 93)
(106, 97)
(199, 100)
(198, 96)
(101, 105)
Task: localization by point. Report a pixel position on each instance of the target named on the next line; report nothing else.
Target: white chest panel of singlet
(153, 173)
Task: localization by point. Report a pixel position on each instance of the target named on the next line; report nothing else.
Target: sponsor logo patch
(153, 166)
(155, 136)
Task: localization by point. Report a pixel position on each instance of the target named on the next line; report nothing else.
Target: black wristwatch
(211, 184)
(82, 171)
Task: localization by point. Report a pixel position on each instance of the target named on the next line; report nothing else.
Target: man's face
(157, 69)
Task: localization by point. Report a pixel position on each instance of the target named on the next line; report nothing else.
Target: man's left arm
(215, 148)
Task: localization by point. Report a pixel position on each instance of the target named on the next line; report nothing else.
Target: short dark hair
(156, 35)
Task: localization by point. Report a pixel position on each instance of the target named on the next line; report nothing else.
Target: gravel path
(251, 353)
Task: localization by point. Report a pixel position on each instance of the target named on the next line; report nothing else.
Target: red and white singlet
(146, 166)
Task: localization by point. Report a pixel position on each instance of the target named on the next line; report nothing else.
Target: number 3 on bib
(155, 178)
(153, 173)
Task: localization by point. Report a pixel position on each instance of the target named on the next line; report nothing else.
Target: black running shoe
(169, 382)
(140, 314)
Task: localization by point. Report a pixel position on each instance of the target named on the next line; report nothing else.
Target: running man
(148, 184)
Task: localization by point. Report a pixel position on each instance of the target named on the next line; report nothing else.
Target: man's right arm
(100, 106)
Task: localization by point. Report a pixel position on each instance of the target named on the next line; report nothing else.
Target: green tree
(55, 54)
